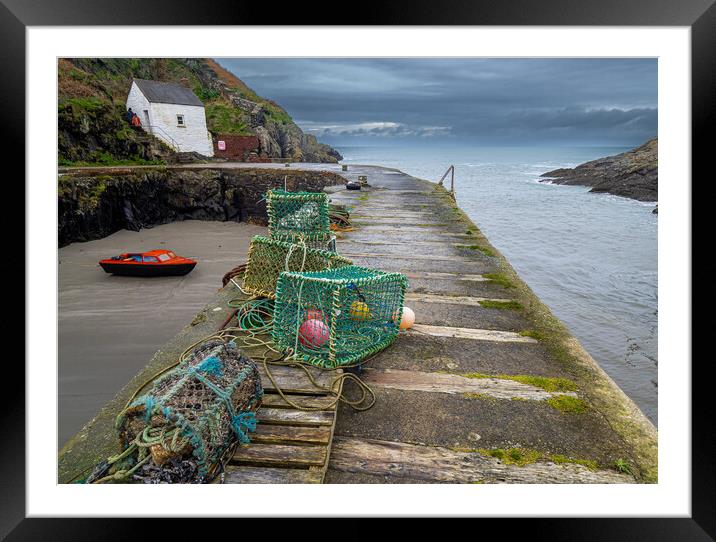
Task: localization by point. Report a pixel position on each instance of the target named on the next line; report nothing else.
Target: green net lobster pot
(192, 415)
(269, 257)
(295, 216)
(338, 316)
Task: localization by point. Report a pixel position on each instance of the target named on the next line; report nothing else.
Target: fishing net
(338, 316)
(269, 257)
(300, 216)
(182, 428)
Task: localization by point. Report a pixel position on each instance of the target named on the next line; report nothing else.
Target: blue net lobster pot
(192, 415)
(338, 316)
(300, 217)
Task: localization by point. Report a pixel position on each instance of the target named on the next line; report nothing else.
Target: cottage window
(180, 120)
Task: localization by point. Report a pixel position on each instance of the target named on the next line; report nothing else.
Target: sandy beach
(110, 326)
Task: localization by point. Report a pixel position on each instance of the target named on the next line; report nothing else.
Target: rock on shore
(94, 204)
(632, 174)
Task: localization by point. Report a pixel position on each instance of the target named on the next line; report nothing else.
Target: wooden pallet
(290, 446)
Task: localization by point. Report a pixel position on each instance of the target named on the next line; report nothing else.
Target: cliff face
(633, 174)
(92, 94)
(95, 203)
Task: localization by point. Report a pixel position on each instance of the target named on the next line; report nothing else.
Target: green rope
(252, 331)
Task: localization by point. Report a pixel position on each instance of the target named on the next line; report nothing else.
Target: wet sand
(110, 326)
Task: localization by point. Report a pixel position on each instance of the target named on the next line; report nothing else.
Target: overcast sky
(498, 101)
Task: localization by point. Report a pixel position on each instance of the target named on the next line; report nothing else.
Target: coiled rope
(254, 323)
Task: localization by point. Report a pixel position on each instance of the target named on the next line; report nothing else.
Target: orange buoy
(407, 319)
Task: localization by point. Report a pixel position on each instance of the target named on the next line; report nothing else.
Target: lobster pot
(295, 216)
(338, 316)
(269, 257)
(322, 242)
(193, 414)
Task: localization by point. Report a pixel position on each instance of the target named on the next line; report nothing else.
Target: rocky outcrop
(92, 93)
(92, 131)
(633, 174)
(96, 203)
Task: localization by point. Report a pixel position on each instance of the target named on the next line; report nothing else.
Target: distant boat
(155, 263)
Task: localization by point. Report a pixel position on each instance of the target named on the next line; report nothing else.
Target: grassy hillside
(91, 101)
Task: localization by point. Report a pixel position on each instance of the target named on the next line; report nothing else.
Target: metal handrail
(451, 171)
(173, 143)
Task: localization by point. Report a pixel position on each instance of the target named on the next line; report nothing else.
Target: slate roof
(167, 93)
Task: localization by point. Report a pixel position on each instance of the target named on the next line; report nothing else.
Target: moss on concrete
(568, 403)
(487, 251)
(513, 456)
(532, 334)
(526, 456)
(502, 305)
(551, 384)
(560, 459)
(499, 278)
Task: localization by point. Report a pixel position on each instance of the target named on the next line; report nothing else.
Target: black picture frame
(16, 15)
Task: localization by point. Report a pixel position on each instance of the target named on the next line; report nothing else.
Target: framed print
(418, 257)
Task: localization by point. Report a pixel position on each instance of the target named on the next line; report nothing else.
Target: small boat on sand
(155, 263)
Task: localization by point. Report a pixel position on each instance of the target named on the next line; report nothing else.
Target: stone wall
(96, 203)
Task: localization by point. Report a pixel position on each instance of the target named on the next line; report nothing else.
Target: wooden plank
(470, 333)
(295, 380)
(398, 243)
(453, 384)
(274, 400)
(394, 215)
(449, 276)
(420, 223)
(408, 256)
(285, 416)
(435, 464)
(390, 191)
(451, 299)
(281, 455)
(289, 434)
(396, 230)
(379, 229)
(270, 475)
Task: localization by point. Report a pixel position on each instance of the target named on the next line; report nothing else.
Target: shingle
(167, 93)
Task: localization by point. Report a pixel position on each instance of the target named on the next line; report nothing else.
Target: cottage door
(147, 126)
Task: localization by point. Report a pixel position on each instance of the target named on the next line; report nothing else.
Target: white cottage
(172, 113)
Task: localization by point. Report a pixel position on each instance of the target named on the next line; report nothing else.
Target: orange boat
(155, 263)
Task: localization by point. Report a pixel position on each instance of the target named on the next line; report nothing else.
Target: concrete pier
(488, 386)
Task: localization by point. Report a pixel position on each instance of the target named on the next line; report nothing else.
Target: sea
(592, 258)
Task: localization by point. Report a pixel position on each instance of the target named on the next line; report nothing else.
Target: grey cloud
(609, 101)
